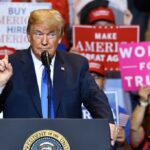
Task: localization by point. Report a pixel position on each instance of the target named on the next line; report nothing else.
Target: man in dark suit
(20, 76)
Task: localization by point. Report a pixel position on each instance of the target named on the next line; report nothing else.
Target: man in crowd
(98, 72)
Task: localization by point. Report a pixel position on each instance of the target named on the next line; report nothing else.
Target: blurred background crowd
(108, 13)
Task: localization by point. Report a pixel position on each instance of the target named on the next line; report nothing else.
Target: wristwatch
(143, 103)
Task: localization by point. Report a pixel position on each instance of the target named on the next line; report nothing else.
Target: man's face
(43, 38)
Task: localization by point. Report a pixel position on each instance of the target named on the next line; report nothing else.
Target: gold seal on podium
(46, 139)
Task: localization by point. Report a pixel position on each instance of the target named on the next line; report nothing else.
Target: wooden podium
(80, 134)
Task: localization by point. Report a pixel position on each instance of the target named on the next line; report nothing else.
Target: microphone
(46, 59)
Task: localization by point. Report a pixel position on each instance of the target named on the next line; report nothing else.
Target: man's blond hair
(49, 17)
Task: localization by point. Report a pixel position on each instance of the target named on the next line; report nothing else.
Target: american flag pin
(63, 68)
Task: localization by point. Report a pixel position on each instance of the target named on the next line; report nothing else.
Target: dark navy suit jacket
(73, 85)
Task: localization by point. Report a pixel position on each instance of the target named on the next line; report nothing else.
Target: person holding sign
(140, 121)
(98, 72)
(96, 13)
(99, 13)
(71, 83)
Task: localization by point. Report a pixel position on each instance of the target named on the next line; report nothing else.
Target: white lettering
(138, 81)
(141, 65)
(128, 79)
(106, 47)
(140, 51)
(106, 36)
(112, 58)
(125, 53)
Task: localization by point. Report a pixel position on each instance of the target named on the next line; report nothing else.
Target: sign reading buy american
(135, 65)
(100, 43)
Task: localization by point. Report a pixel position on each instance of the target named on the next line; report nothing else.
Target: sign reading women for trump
(134, 65)
(100, 43)
(13, 23)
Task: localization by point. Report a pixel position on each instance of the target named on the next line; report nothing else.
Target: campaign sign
(119, 111)
(100, 43)
(113, 102)
(13, 23)
(134, 65)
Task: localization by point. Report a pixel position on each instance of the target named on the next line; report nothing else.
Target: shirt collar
(38, 62)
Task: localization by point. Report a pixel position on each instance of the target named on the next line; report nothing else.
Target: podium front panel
(81, 134)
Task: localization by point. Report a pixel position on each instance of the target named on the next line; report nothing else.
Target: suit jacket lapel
(31, 82)
(59, 80)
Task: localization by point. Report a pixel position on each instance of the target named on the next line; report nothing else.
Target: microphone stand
(49, 91)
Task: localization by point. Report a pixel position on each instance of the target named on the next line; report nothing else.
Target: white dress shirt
(39, 69)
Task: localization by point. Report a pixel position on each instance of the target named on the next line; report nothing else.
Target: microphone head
(46, 58)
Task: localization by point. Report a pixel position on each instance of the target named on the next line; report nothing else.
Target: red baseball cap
(101, 13)
(97, 67)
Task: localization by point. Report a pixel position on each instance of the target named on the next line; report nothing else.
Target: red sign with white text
(100, 43)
